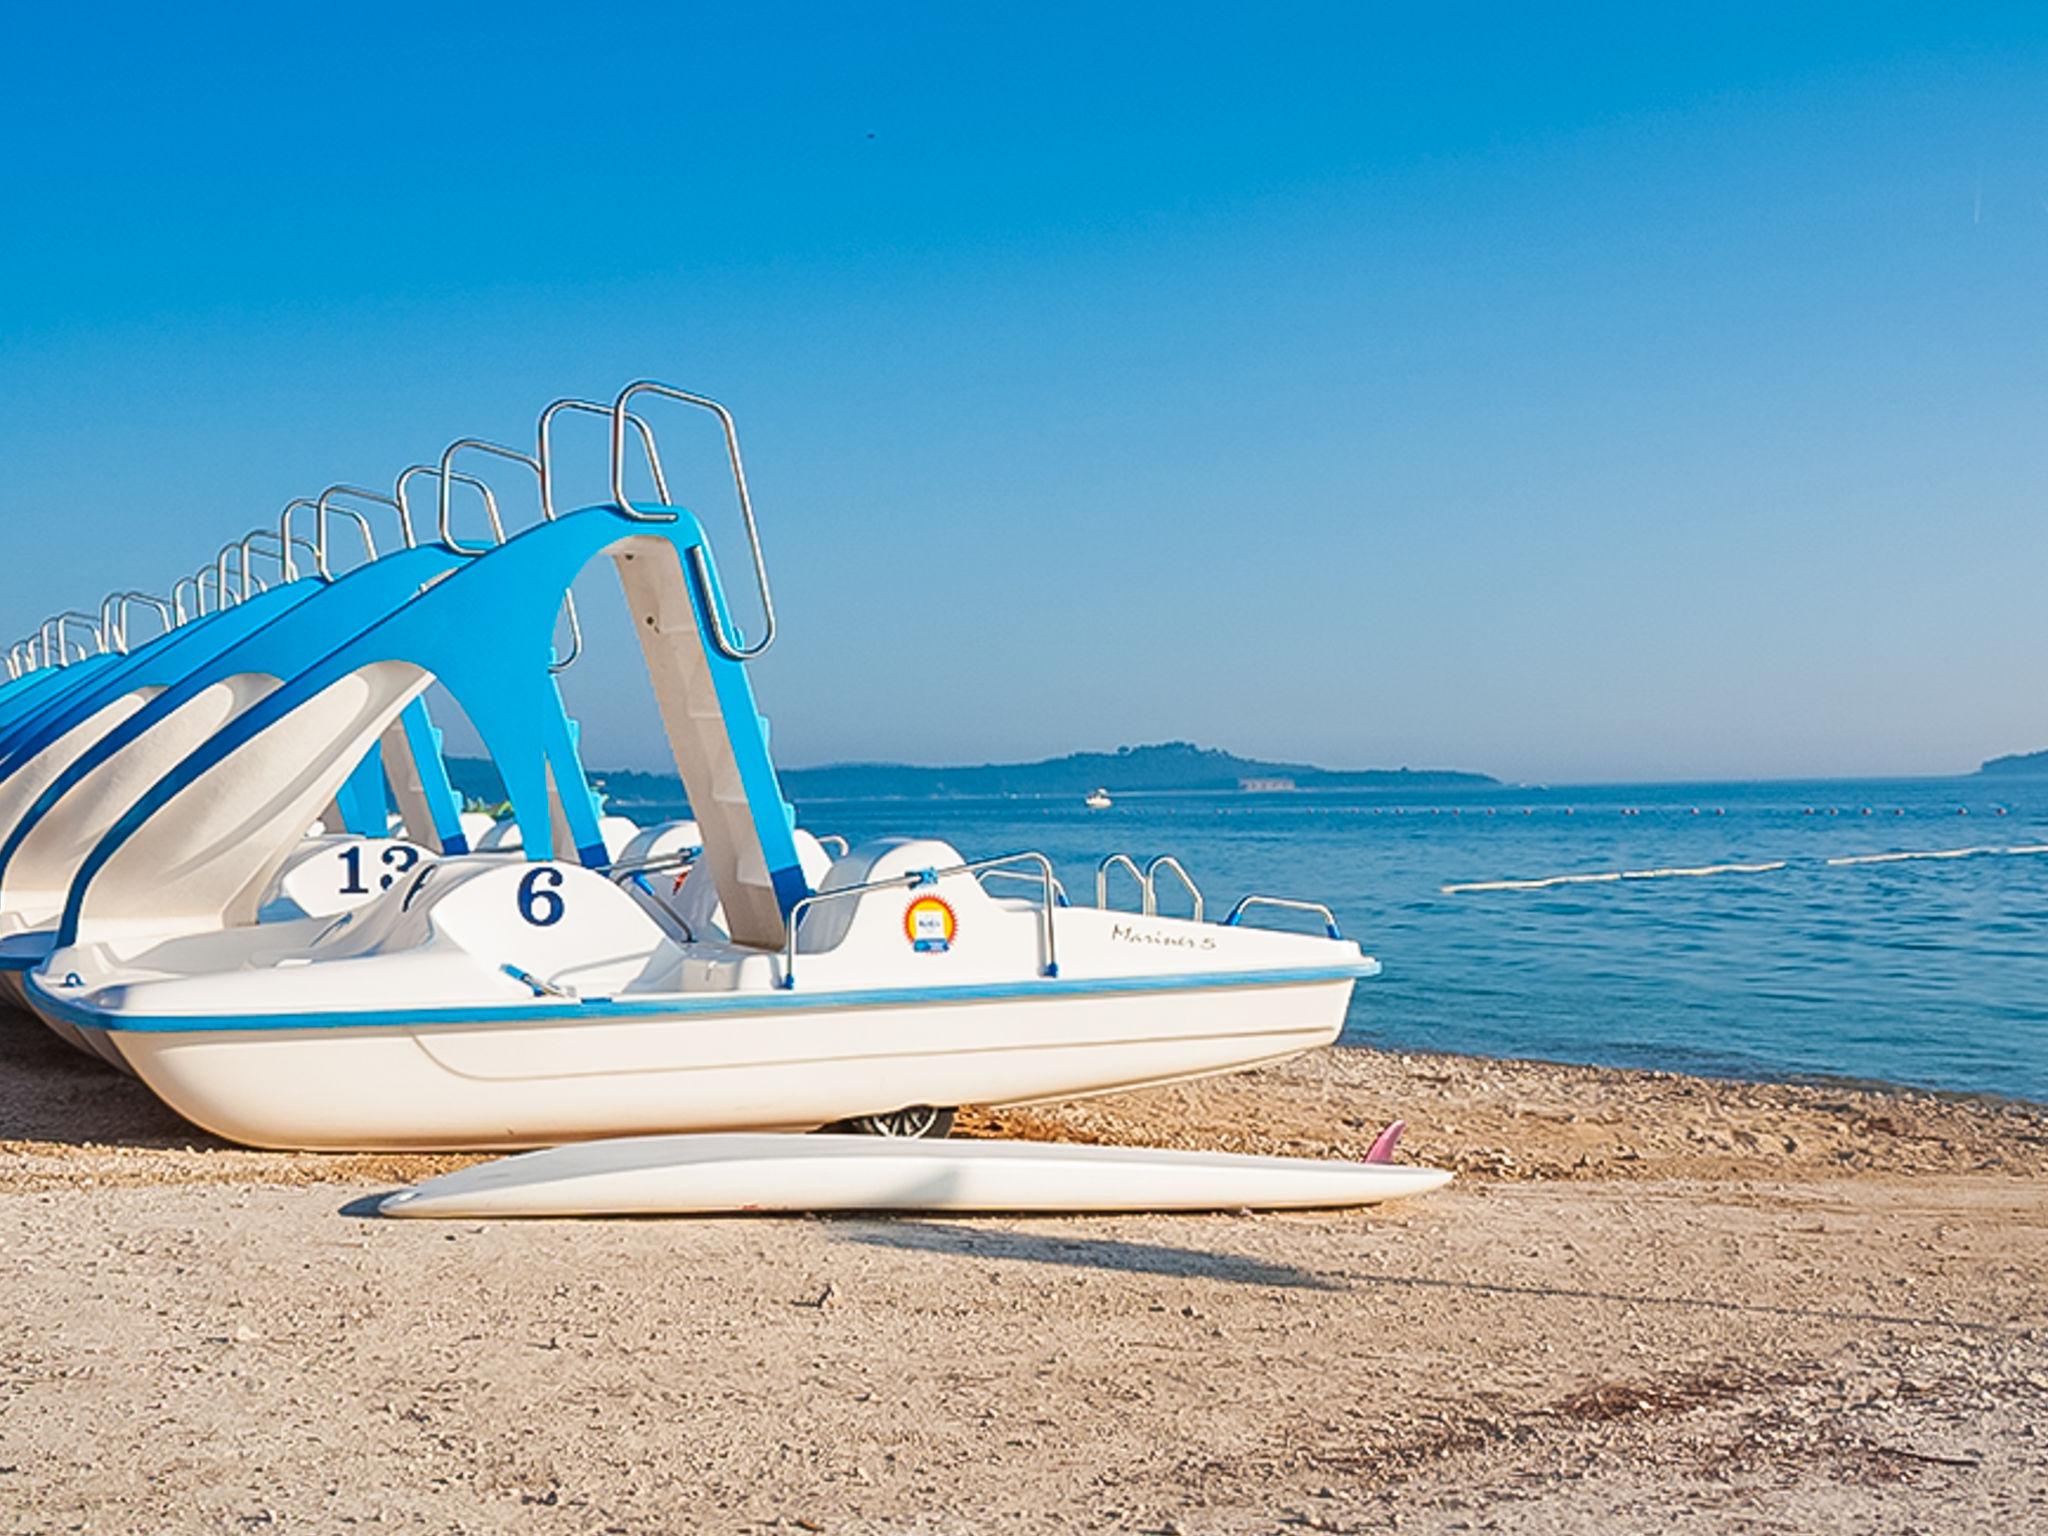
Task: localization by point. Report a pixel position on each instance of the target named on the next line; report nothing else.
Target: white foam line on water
(1549, 881)
(1543, 884)
(1702, 869)
(1900, 858)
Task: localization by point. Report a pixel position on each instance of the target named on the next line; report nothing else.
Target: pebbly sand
(1650, 1304)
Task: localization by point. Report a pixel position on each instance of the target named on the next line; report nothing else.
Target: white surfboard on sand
(701, 1175)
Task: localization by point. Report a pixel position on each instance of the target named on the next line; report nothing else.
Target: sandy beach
(1650, 1303)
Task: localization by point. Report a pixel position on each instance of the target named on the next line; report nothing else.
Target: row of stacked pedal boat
(409, 974)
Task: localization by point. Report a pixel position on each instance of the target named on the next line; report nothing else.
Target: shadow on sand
(51, 1092)
(1084, 1253)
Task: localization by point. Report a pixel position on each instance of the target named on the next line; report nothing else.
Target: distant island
(1166, 766)
(2015, 763)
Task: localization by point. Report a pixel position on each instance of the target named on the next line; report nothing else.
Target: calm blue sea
(1929, 972)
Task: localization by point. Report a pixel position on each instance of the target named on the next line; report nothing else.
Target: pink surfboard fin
(1382, 1148)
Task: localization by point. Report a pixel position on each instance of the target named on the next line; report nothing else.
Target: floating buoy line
(1699, 871)
(1636, 810)
(1546, 882)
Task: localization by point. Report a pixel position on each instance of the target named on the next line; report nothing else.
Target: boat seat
(825, 925)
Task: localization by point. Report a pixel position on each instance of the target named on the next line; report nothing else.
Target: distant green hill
(2016, 762)
(1172, 765)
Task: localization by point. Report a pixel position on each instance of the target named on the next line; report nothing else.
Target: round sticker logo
(929, 924)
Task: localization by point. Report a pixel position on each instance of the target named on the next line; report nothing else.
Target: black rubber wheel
(920, 1122)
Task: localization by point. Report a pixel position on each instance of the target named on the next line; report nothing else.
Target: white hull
(512, 1084)
(692, 1175)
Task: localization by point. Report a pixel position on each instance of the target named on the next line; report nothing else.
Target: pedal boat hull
(539, 1075)
(487, 1003)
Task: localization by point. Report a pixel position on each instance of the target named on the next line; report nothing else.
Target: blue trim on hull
(16, 954)
(778, 1001)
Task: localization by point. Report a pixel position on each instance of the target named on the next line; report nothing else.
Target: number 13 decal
(398, 859)
(538, 903)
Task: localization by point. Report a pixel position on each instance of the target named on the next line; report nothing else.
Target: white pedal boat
(484, 1003)
(729, 1174)
(520, 999)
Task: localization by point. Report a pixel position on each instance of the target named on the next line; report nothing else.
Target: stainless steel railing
(58, 626)
(1059, 891)
(700, 564)
(1147, 880)
(114, 615)
(1172, 866)
(230, 577)
(1108, 867)
(447, 536)
(275, 545)
(1286, 903)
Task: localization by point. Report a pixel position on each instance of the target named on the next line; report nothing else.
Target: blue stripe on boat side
(718, 1003)
(16, 957)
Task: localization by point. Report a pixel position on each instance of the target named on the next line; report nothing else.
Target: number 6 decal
(538, 903)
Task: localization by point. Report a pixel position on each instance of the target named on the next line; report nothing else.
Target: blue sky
(1593, 394)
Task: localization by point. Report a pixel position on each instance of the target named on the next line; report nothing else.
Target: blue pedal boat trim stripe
(777, 1001)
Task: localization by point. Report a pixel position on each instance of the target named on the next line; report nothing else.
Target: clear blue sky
(1565, 392)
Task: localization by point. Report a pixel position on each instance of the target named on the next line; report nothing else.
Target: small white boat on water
(713, 1175)
(1098, 800)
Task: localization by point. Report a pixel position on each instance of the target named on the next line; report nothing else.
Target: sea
(1873, 930)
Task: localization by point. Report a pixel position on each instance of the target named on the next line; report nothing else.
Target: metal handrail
(73, 616)
(285, 534)
(1121, 861)
(178, 599)
(166, 616)
(375, 498)
(474, 445)
(278, 548)
(1168, 862)
(654, 863)
(1287, 903)
(546, 453)
(114, 615)
(447, 537)
(575, 634)
(220, 567)
(222, 598)
(923, 877)
(198, 580)
(825, 838)
(406, 477)
(109, 627)
(92, 627)
(1059, 890)
(621, 873)
(700, 563)
(318, 506)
